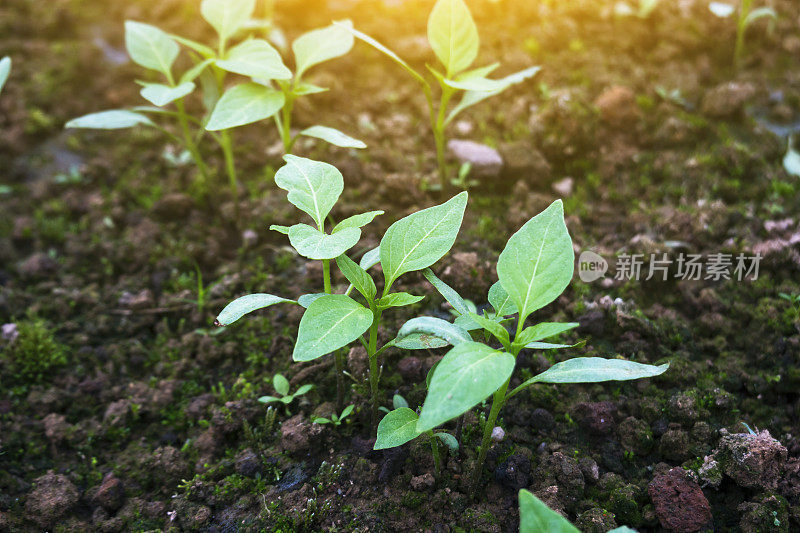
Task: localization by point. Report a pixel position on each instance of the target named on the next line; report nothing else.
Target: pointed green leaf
(313, 186)
(791, 161)
(333, 136)
(449, 294)
(281, 384)
(247, 304)
(449, 441)
(160, 95)
(303, 389)
(466, 376)
(422, 238)
(596, 369)
(227, 16)
(204, 51)
(313, 244)
(476, 80)
(381, 48)
(501, 302)
(5, 71)
(758, 13)
(244, 104)
(150, 47)
(436, 327)
(268, 399)
(536, 517)
(497, 330)
(194, 72)
(255, 58)
(398, 299)
(537, 263)
(453, 35)
(110, 120)
(543, 330)
(396, 428)
(371, 258)
(306, 299)
(548, 346)
(357, 276)
(398, 401)
(322, 45)
(304, 88)
(420, 341)
(280, 229)
(471, 98)
(329, 323)
(357, 221)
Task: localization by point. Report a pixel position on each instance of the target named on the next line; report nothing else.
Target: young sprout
(5, 71)
(747, 16)
(453, 36)
(281, 386)
(335, 419)
(534, 269)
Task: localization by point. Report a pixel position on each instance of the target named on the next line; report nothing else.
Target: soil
(124, 409)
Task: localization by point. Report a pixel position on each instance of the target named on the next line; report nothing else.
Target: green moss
(33, 355)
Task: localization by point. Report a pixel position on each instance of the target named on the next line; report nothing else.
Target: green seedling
(335, 419)
(453, 36)
(334, 321)
(400, 426)
(281, 386)
(794, 302)
(536, 517)
(533, 270)
(5, 71)
(747, 16)
(273, 95)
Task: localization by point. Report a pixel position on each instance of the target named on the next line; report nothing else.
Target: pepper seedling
(747, 16)
(534, 268)
(335, 419)
(453, 36)
(334, 321)
(259, 99)
(281, 386)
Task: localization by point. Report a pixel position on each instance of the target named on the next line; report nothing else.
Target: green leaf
(160, 95)
(548, 346)
(227, 16)
(280, 229)
(537, 263)
(357, 221)
(322, 45)
(542, 330)
(471, 98)
(420, 341)
(255, 58)
(247, 304)
(501, 302)
(791, 161)
(475, 80)
(346, 411)
(303, 390)
(398, 401)
(268, 399)
(466, 376)
(330, 322)
(281, 384)
(536, 517)
(5, 71)
(357, 276)
(381, 48)
(304, 88)
(622, 529)
(497, 330)
(313, 244)
(206, 52)
(333, 136)
(110, 120)
(313, 186)
(371, 258)
(396, 428)
(244, 104)
(596, 369)
(448, 440)
(449, 294)
(321, 420)
(453, 35)
(306, 299)
(398, 299)
(436, 327)
(422, 238)
(192, 74)
(150, 47)
(758, 13)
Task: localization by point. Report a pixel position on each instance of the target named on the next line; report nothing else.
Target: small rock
(498, 434)
(595, 417)
(247, 463)
(679, 502)
(9, 332)
(595, 520)
(38, 265)
(55, 427)
(523, 161)
(674, 445)
(174, 206)
(564, 187)
(249, 238)
(141, 300)
(617, 106)
(514, 472)
(110, 494)
(295, 434)
(51, 500)
(117, 413)
(727, 100)
(486, 161)
(752, 460)
(411, 368)
(420, 483)
(541, 419)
